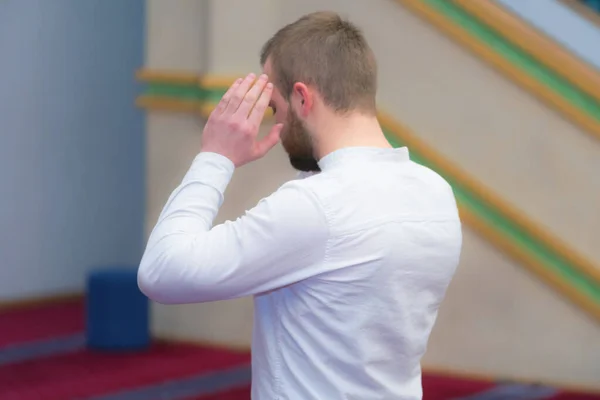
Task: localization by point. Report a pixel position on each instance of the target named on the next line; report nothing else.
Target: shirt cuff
(211, 169)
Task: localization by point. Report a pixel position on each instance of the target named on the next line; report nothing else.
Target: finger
(269, 141)
(238, 94)
(252, 96)
(258, 112)
(227, 96)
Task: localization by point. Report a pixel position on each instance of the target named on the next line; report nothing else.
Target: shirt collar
(363, 153)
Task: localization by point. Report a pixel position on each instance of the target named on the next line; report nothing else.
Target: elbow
(154, 282)
(167, 276)
(149, 288)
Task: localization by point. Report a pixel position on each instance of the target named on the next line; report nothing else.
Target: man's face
(294, 137)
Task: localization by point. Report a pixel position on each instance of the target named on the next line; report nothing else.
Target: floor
(43, 357)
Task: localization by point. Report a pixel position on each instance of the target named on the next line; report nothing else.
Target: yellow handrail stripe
(517, 253)
(585, 121)
(174, 77)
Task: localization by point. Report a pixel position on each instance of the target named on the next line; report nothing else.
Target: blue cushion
(117, 311)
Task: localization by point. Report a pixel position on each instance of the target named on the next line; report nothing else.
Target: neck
(351, 130)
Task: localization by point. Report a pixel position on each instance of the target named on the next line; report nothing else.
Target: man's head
(321, 66)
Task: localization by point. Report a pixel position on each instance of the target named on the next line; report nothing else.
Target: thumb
(270, 140)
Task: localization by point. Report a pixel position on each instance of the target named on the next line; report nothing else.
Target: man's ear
(304, 94)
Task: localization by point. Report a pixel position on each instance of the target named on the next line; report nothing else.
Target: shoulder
(294, 203)
(291, 214)
(429, 176)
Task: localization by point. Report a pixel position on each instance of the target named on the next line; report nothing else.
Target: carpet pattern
(43, 357)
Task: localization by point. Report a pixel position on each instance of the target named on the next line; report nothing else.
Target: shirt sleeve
(279, 242)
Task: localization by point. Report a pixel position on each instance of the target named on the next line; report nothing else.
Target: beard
(298, 144)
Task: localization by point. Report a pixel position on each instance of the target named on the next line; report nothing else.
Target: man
(348, 266)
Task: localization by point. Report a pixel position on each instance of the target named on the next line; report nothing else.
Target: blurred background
(102, 104)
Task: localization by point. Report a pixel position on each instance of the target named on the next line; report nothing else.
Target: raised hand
(232, 128)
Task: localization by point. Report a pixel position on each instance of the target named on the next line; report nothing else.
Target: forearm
(187, 217)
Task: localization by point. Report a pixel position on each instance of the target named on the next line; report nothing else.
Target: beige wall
(240, 28)
(497, 319)
(177, 34)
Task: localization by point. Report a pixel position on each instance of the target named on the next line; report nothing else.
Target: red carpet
(84, 374)
(169, 371)
(37, 323)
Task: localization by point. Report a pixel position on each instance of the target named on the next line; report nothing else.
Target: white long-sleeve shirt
(347, 268)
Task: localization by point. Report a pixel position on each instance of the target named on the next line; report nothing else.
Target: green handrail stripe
(184, 92)
(493, 217)
(518, 57)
